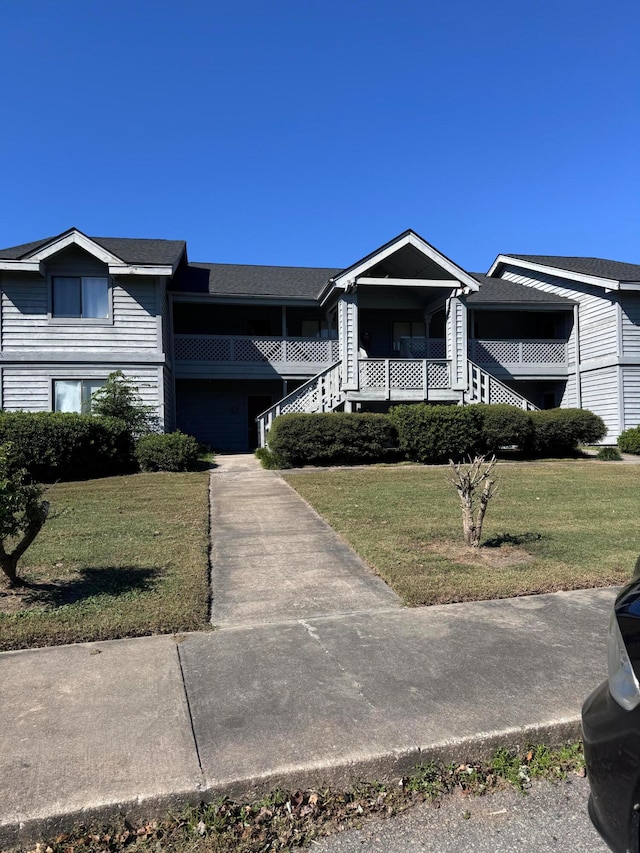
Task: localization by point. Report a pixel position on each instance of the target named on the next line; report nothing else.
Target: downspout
(576, 340)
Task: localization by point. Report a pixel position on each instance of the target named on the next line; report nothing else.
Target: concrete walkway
(322, 683)
(274, 559)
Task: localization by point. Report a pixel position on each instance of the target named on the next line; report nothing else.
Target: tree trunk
(9, 561)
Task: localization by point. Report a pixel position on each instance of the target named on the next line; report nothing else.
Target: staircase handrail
(276, 409)
(525, 404)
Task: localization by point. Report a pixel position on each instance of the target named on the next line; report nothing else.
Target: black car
(611, 727)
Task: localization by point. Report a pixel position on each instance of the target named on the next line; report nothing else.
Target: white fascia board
(23, 266)
(596, 280)
(138, 269)
(630, 285)
(75, 238)
(411, 282)
(461, 277)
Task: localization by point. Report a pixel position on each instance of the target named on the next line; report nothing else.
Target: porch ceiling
(409, 262)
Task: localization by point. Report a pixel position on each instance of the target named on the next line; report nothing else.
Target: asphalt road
(550, 817)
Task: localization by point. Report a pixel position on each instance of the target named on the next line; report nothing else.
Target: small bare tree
(22, 514)
(467, 478)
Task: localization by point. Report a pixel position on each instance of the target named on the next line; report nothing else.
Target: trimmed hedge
(560, 431)
(429, 434)
(174, 451)
(504, 426)
(629, 441)
(433, 434)
(331, 438)
(59, 446)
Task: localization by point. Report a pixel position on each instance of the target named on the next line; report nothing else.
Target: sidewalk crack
(202, 784)
(313, 633)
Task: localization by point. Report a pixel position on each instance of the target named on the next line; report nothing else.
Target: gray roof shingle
(249, 280)
(130, 250)
(500, 290)
(601, 267)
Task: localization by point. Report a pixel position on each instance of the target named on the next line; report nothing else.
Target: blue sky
(308, 132)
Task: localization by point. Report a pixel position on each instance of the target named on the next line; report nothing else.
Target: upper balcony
(517, 358)
(245, 356)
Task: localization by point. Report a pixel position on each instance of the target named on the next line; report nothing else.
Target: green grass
(121, 557)
(552, 526)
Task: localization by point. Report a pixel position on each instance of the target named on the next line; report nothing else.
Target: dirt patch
(30, 597)
(14, 600)
(502, 557)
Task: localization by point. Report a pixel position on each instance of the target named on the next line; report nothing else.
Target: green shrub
(119, 398)
(432, 434)
(504, 426)
(629, 441)
(331, 438)
(609, 454)
(62, 446)
(557, 432)
(172, 451)
(266, 458)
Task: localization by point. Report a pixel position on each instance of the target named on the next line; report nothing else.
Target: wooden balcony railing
(247, 350)
(388, 375)
(504, 353)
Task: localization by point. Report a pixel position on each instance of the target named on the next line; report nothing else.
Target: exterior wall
(631, 396)
(26, 326)
(569, 398)
(598, 311)
(30, 386)
(169, 400)
(630, 308)
(600, 394)
(217, 412)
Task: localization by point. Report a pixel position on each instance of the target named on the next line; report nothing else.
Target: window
(407, 329)
(74, 395)
(314, 329)
(80, 297)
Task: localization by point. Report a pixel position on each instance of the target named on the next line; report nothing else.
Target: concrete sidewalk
(311, 692)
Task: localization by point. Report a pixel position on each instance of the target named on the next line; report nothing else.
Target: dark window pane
(66, 297)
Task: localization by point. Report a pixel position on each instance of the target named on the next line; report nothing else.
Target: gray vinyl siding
(600, 395)
(26, 325)
(631, 395)
(169, 402)
(30, 387)
(630, 307)
(569, 395)
(598, 311)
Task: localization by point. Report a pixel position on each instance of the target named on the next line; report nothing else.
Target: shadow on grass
(111, 581)
(512, 539)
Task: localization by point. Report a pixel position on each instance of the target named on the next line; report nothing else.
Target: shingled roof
(500, 290)
(130, 250)
(249, 280)
(601, 267)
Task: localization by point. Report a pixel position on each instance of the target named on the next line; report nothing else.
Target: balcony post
(349, 340)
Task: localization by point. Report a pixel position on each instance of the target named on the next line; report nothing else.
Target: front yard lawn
(121, 557)
(552, 526)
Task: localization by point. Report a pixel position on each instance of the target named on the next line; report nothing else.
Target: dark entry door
(255, 405)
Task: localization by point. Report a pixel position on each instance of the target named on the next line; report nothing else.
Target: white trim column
(349, 336)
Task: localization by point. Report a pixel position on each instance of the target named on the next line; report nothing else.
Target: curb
(384, 767)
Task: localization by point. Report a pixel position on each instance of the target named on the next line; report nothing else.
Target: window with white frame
(74, 395)
(80, 297)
